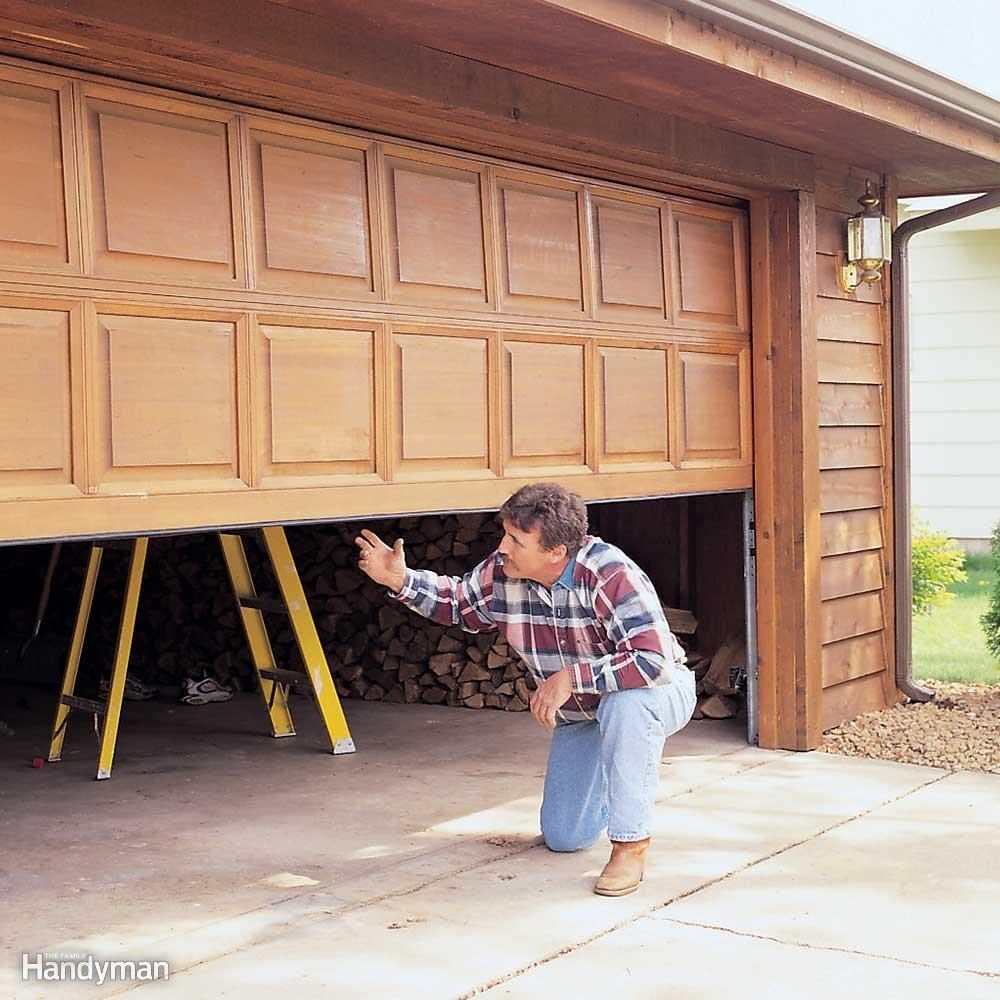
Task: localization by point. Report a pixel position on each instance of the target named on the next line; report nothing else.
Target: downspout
(901, 427)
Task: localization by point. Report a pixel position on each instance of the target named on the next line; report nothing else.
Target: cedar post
(786, 476)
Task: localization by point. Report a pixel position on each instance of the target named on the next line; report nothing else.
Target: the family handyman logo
(59, 967)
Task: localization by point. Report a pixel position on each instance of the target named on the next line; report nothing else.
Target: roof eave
(798, 34)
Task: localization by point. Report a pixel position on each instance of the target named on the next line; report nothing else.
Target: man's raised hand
(380, 563)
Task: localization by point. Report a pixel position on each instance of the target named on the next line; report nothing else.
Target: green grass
(948, 643)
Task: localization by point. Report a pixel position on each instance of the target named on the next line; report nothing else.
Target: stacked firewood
(379, 650)
(721, 680)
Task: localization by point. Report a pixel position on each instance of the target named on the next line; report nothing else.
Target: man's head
(544, 524)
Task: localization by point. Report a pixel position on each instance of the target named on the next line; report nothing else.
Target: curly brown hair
(561, 516)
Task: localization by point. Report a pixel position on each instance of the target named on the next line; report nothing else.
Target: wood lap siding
(307, 321)
(855, 473)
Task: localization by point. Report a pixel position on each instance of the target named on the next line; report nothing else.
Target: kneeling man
(611, 678)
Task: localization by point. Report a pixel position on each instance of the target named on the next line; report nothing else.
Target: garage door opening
(697, 552)
(188, 628)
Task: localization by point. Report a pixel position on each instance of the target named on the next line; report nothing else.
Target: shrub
(991, 619)
(937, 562)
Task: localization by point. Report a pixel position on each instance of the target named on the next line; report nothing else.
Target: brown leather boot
(623, 872)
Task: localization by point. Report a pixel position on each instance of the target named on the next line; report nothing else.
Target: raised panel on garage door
(311, 212)
(545, 409)
(37, 172)
(163, 178)
(541, 260)
(629, 260)
(714, 407)
(441, 404)
(40, 402)
(166, 403)
(632, 396)
(435, 224)
(315, 403)
(709, 267)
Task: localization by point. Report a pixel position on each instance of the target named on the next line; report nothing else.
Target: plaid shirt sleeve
(626, 605)
(452, 600)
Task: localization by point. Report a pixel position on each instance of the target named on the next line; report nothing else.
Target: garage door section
(211, 316)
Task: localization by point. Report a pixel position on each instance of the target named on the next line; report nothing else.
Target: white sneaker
(201, 692)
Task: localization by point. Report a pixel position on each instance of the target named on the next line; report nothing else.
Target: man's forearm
(442, 599)
(619, 671)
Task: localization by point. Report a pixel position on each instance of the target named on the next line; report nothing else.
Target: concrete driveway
(414, 869)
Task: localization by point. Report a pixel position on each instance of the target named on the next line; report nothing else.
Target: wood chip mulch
(959, 730)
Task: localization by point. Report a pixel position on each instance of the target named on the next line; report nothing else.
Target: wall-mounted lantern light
(869, 242)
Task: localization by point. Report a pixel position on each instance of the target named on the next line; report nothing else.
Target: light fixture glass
(869, 242)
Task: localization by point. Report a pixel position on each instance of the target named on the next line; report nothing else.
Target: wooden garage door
(211, 315)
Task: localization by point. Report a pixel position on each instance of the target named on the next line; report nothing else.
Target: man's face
(525, 559)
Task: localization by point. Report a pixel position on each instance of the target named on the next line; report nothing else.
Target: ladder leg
(275, 700)
(123, 649)
(304, 628)
(75, 651)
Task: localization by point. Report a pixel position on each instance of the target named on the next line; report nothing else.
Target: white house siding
(955, 375)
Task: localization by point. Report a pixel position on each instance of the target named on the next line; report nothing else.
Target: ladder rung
(85, 704)
(270, 604)
(284, 676)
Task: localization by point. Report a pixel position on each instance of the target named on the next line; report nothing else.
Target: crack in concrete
(806, 946)
(569, 949)
(691, 789)
(800, 842)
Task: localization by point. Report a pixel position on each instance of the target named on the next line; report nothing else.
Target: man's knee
(654, 710)
(566, 837)
(566, 845)
(643, 701)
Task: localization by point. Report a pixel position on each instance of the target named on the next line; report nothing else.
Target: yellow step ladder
(273, 681)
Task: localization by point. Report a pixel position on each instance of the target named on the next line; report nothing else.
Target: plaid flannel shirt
(602, 619)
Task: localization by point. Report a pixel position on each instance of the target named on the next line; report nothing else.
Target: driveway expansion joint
(805, 945)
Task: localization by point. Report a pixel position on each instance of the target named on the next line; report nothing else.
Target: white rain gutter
(798, 34)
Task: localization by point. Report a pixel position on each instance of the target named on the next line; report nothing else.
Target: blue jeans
(603, 774)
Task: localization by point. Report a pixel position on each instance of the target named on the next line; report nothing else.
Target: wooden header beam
(291, 60)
